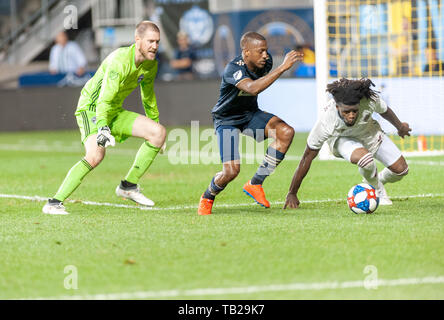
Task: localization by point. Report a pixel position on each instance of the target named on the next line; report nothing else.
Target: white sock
(389, 176)
(368, 169)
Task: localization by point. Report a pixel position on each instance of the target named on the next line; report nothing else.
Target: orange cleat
(257, 193)
(205, 206)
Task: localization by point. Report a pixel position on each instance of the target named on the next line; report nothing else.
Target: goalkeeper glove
(105, 138)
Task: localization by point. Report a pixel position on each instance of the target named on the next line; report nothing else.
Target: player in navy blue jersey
(237, 111)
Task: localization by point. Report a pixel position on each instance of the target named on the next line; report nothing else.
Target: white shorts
(388, 153)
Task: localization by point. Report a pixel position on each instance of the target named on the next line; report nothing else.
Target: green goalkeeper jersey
(115, 79)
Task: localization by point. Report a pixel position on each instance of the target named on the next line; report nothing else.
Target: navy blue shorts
(228, 135)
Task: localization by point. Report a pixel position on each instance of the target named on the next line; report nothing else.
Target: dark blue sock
(272, 158)
(207, 195)
(212, 190)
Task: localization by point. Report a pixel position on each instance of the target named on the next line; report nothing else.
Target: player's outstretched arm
(402, 127)
(255, 87)
(292, 201)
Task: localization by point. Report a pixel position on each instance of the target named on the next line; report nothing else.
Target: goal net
(399, 44)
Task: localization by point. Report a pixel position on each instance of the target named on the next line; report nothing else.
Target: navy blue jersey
(234, 105)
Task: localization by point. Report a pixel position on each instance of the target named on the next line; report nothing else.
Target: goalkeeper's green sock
(145, 156)
(73, 179)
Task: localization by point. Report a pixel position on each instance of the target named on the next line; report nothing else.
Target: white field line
(184, 156)
(427, 153)
(252, 289)
(427, 163)
(185, 207)
(200, 156)
(41, 148)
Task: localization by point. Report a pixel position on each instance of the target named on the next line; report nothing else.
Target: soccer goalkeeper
(102, 120)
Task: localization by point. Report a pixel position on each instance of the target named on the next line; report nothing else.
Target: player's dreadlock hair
(350, 92)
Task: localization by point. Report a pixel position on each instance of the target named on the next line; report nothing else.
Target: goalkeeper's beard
(148, 55)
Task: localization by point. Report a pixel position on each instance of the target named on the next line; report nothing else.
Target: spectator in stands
(183, 58)
(66, 56)
(306, 68)
(402, 49)
(433, 64)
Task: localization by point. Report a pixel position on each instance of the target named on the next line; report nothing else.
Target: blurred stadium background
(390, 41)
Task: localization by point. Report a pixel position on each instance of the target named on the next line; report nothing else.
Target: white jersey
(329, 126)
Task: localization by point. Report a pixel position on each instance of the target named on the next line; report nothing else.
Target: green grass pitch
(171, 252)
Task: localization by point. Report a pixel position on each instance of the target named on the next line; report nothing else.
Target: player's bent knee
(358, 154)
(366, 161)
(231, 174)
(289, 131)
(400, 167)
(406, 171)
(159, 133)
(156, 135)
(403, 172)
(231, 171)
(94, 160)
(162, 132)
(286, 133)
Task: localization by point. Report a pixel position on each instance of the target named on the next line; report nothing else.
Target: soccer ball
(362, 198)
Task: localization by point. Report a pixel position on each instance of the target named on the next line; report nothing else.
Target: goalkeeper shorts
(121, 126)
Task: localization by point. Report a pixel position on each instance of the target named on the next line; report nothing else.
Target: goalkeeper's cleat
(133, 193)
(205, 206)
(384, 200)
(257, 193)
(54, 208)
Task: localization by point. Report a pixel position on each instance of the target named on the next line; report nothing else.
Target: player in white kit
(347, 126)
